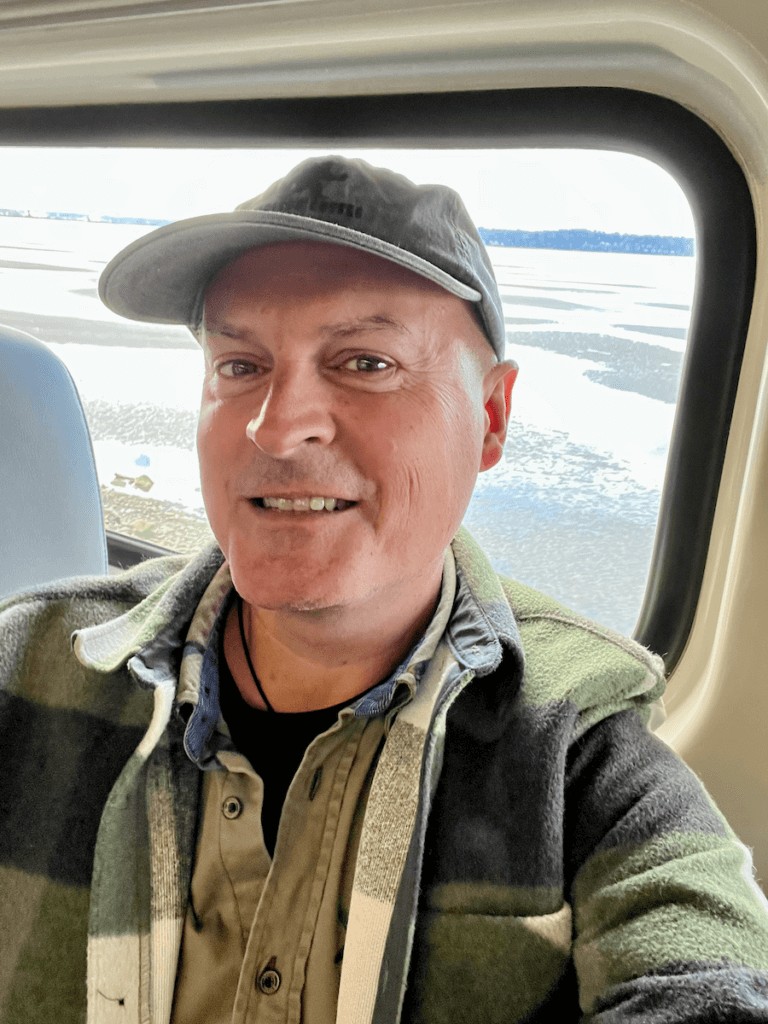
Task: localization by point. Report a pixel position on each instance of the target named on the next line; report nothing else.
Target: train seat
(51, 521)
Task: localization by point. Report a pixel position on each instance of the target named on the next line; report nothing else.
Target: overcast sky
(524, 189)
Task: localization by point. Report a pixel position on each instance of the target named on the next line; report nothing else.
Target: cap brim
(161, 277)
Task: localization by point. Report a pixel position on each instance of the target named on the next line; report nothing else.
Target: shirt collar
(179, 616)
(482, 625)
(198, 691)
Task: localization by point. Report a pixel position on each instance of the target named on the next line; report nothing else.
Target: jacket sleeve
(670, 926)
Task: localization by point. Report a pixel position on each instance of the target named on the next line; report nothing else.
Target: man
(334, 768)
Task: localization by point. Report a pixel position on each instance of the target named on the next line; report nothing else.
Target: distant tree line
(92, 218)
(583, 240)
(579, 239)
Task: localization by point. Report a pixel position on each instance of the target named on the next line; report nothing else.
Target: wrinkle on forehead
(320, 268)
(214, 323)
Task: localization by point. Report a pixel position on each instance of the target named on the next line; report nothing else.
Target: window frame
(621, 120)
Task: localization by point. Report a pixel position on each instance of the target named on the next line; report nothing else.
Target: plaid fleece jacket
(530, 852)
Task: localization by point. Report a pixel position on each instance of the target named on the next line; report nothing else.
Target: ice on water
(589, 439)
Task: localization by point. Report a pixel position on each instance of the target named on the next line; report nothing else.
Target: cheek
(218, 436)
(207, 440)
(457, 440)
(433, 465)
(220, 425)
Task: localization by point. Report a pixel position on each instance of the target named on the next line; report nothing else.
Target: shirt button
(232, 807)
(269, 980)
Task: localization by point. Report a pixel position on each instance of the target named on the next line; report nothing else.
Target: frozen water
(573, 505)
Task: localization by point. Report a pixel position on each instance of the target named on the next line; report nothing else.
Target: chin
(272, 588)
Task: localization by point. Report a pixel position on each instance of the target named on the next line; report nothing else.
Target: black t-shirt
(274, 743)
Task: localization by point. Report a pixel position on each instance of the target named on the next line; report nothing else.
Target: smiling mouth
(314, 504)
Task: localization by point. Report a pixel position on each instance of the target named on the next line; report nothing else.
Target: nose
(296, 411)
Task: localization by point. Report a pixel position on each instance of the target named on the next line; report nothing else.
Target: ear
(498, 386)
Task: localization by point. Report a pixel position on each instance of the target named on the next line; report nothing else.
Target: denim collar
(198, 692)
(156, 639)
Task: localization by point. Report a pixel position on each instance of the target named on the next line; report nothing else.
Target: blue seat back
(51, 521)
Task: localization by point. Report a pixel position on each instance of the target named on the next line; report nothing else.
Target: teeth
(306, 504)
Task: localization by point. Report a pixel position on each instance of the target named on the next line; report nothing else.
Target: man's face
(335, 375)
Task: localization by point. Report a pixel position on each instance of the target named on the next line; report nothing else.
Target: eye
(366, 364)
(237, 368)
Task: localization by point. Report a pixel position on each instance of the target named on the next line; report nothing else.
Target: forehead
(334, 285)
(299, 270)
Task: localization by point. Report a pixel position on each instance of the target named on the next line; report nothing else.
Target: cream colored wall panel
(293, 47)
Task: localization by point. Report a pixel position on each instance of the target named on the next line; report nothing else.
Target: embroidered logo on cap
(310, 198)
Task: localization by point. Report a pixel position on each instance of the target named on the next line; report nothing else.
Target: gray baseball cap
(162, 277)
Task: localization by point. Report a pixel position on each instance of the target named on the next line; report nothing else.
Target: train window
(593, 252)
(605, 275)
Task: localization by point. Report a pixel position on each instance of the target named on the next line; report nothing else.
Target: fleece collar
(150, 637)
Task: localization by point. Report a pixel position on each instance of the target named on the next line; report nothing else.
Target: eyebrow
(214, 326)
(344, 328)
(377, 321)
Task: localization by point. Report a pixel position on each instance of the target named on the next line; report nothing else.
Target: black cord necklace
(247, 654)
